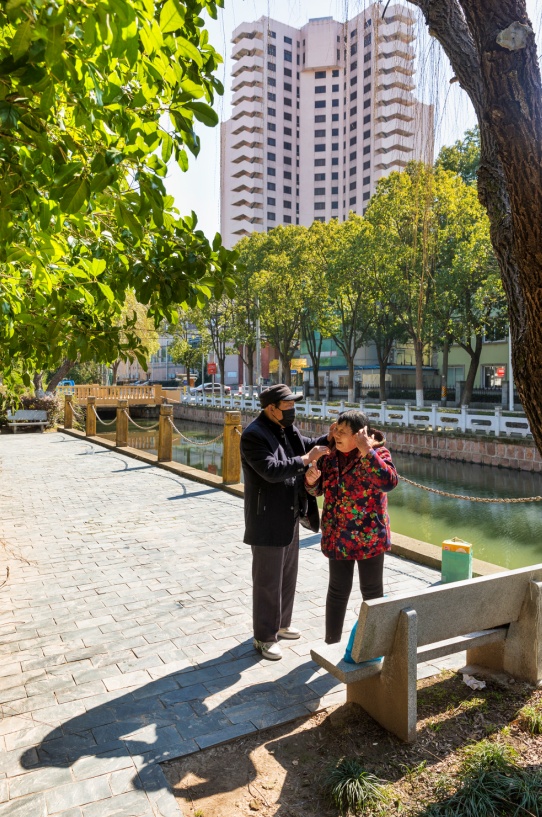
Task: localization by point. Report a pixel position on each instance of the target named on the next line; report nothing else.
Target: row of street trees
(418, 268)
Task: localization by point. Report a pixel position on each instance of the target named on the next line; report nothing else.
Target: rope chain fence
(497, 500)
(142, 428)
(109, 422)
(193, 442)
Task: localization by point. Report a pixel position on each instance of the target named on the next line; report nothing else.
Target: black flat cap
(274, 394)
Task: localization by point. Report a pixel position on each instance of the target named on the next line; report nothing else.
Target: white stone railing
(493, 422)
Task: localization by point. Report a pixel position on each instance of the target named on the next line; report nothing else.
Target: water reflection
(508, 535)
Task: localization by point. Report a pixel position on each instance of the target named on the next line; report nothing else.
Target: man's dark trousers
(274, 578)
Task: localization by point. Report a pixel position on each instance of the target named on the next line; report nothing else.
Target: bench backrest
(446, 611)
(30, 415)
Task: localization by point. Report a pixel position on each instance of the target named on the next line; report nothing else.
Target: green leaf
(75, 195)
(21, 40)
(106, 291)
(204, 113)
(55, 44)
(171, 17)
(186, 49)
(167, 147)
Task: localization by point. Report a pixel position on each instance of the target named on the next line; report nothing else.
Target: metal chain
(109, 423)
(471, 498)
(143, 428)
(193, 442)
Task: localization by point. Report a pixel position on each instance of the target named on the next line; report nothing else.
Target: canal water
(509, 535)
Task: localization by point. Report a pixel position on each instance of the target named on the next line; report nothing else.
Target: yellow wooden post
(158, 394)
(91, 417)
(231, 456)
(68, 411)
(165, 434)
(122, 424)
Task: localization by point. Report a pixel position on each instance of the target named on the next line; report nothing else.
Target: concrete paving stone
(78, 794)
(97, 765)
(39, 780)
(24, 705)
(158, 687)
(27, 737)
(15, 724)
(224, 735)
(68, 748)
(188, 693)
(127, 680)
(13, 668)
(71, 812)
(131, 804)
(81, 691)
(124, 780)
(4, 791)
(32, 806)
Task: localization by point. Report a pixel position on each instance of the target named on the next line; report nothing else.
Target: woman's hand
(364, 442)
(312, 474)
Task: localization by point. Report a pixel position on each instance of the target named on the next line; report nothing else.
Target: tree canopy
(95, 99)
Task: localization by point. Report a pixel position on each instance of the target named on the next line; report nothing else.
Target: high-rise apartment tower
(320, 114)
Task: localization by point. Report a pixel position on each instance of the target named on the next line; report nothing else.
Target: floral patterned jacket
(355, 522)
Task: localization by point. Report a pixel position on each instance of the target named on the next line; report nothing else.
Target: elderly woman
(354, 479)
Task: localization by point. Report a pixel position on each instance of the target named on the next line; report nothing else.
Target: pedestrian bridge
(110, 395)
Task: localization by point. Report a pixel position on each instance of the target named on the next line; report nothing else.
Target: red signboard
(211, 368)
(499, 371)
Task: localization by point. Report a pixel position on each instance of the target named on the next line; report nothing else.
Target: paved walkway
(125, 629)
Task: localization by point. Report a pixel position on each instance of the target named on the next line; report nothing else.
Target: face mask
(288, 417)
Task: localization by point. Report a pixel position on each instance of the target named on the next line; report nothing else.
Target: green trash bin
(456, 560)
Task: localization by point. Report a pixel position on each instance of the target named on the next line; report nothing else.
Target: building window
(287, 146)
(271, 112)
(334, 176)
(367, 73)
(271, 126)
(354, 65)
(287, 40)
(367, 57)
(287, 174)
(287, 190)
(287, 131)
(335, 72)
(271, 171)
(366, 180)
(319, 75)
(366, 150)
(334, 131)
(271, 97)
(270, 216)
(353, 156)
(271, 201)
(271, 81)
(288, 101)
(335, 146)
(320, 103)
(319, 134)
(272, 142)
(335, 89)
(354, 81)
(288, 87)
(287, 219)
(288, 73)
(287, 160)
(319, 177)
(334, 191)
(319, 162)
(271, 66)
(366, 134)
(320, 117)
(319, 191)
(334, 103)
(319, 218)
(335, 160)
(367, 165)
(353, 125)
(320, 89)
(334, 205)
(287, 205)
(273, 35)
(353, 95)
(366, 196)
(367, 119)
(287, 116)
(352, 186)
(287, 56)
(353, 140)
(367, 88)
(352, 200)
(271, 186)
(353, 49)
(320, 205)
(353, 170)
(319, 148)
(271, 157)
(367, 103)
(367, 39)
(272, 50)
(334, 117)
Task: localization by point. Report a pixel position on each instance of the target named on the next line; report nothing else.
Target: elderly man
(275, 456)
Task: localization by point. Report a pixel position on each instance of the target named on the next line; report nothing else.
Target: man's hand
(364, 442)
(313, 474)
(314, 454)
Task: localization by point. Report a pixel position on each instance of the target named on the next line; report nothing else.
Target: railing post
(165, 434)
(91, 417)
(158, 394)
(498, 419)
(406, 417)
(463, 418)
(122, 424)
(434, 419)
(231, 456)
(68, 411)
(383, 408)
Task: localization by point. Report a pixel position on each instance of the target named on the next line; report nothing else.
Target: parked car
(208, 388)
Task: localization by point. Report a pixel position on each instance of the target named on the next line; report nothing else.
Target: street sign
(211, 368)
(500, 371)
(293, 371)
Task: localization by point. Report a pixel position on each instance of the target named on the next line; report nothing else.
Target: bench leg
(390, 696)
(520, 654)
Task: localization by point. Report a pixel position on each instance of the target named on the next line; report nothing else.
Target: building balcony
(248, 145)
(253, 53)
(249, 204)
(248, 99)
(390, 145)
(396, 131)
(404, 68)
(252, 64)
(249, 171)
(247, 188)
(247, 82)
(246, 129)
(249, 117)
(246, 32)
(395, 51)
(402, 83)
(394, 96)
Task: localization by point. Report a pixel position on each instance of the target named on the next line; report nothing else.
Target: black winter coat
(270, 478)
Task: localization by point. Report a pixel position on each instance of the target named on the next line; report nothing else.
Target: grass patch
(530, 718)
(352, 789)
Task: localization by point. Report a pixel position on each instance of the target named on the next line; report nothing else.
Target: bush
(53, 405)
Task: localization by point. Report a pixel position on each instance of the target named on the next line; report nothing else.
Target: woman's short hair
(355, 419)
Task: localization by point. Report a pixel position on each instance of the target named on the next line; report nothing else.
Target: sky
(199, 188)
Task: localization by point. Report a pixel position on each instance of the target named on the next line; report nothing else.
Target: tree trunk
(350, 361)
(474, 355)
(222, 368)
(444, 383)
(286, 373)
(60, 374)
(316, 376)
(418, 354)
(38, 381)
(115, 371)
(504, 85)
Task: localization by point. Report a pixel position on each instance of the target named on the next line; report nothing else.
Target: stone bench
(26, 419)
(497, 619)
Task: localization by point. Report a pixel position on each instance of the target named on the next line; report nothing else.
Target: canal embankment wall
(500, 452)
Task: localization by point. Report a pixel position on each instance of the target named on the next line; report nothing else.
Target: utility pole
(258, 366)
